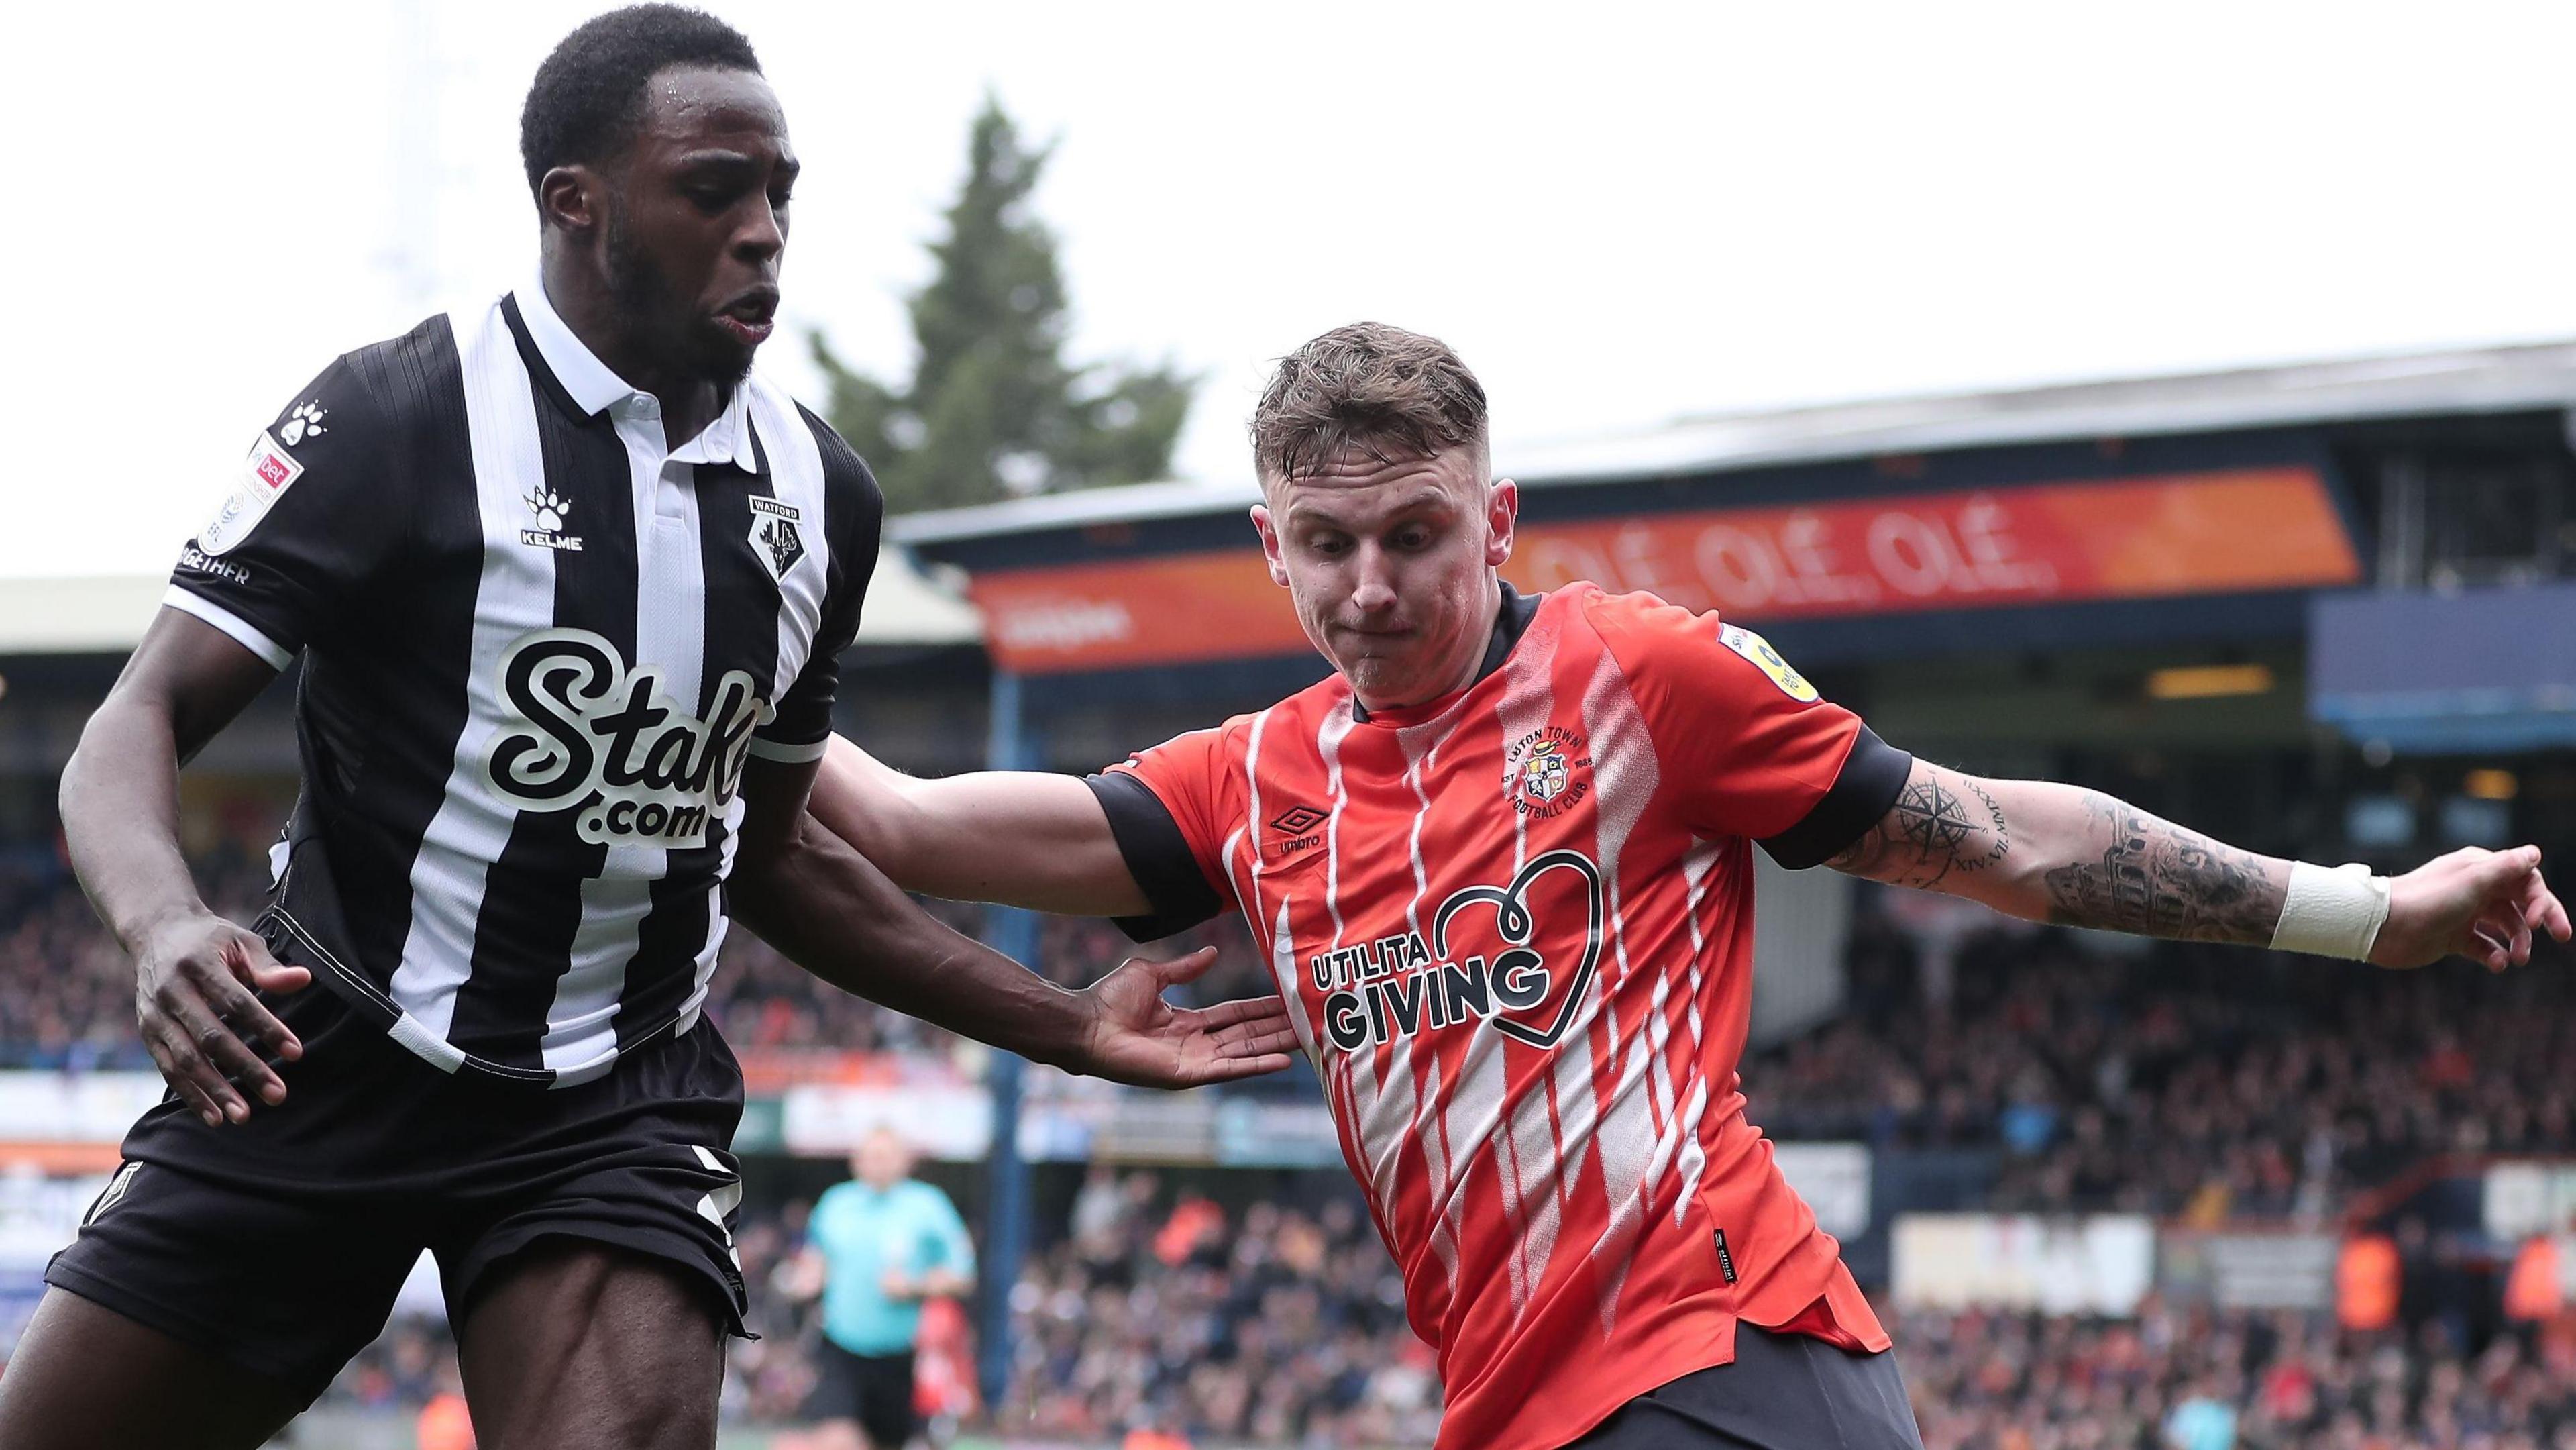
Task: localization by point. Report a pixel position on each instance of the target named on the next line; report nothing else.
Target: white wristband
(2332, 911)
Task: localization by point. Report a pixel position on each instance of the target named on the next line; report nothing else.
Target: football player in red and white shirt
(1501, 865)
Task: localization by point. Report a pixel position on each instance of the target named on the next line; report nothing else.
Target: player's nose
(1373, 588)
(763, 234)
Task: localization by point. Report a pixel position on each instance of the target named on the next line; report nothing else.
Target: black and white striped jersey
(538, 645)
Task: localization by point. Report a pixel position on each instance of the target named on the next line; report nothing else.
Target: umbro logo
(1297, 820)
(1294, 831)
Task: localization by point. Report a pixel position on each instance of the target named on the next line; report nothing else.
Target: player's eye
(1329, 545)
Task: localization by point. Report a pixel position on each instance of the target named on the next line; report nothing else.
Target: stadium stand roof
(107, 615)
(2504, 379)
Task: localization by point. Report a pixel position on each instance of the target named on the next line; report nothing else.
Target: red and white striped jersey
(1514, 928)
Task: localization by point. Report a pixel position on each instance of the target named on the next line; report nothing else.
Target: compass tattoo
(1942, 824)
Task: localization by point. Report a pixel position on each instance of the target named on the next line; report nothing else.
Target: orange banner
(2224, 532)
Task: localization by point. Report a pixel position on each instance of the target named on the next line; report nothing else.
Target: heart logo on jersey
(1516, 923)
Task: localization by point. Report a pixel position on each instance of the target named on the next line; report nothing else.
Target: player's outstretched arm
(2049, 852)
(812, 895)
(194, 971)
(1019, 838)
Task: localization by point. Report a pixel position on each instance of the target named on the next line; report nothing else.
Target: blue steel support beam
(1014, 933)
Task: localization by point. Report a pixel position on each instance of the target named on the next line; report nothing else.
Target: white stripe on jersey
(796, 479)
(1283, 968)
(1424, 750)
(516, 594)
(1694, 1158)
(671, 630)
(796, 476)
(1625, 776)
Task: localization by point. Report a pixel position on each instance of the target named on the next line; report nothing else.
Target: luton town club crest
(1548, 767)
(1543, 775)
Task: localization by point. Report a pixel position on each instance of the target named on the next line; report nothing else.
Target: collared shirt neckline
(596, 388)
(1512, 615)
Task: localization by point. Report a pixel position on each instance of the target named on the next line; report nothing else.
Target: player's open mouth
(750, 318)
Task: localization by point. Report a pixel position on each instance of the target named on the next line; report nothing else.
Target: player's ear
(1269, 544)
(572, 197)
(1502, 515)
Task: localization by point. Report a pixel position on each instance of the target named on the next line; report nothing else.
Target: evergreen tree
(993, 410)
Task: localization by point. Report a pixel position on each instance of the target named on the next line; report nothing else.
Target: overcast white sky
(1618, 214)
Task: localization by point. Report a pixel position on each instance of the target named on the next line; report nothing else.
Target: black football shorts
(1783, 1392)
(278, 1244)
(876, 1390)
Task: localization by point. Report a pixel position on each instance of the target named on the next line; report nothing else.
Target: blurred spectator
(2533, 1292)
(2205, 1420)
(876, 1248)
(445, 1423)
(2367, 1279)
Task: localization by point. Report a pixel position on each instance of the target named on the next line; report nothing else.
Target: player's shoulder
(1636, 617)
(1650, 638)
(1221, 743)
(406, 370)
(368, 393)
(365, 412)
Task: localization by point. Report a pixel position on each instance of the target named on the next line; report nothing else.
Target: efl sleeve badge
(266, 474)
(1766, 659)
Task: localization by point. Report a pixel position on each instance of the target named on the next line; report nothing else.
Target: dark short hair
(589, 95)
(1369, 386)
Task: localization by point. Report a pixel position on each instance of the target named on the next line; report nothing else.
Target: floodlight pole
(1013, 744)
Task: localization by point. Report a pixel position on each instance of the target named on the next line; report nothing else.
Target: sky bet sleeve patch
(1766, 659)
(266, 475)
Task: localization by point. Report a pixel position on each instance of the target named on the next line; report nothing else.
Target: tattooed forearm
(1943, 825)
(2075, 857)
(2133, 872)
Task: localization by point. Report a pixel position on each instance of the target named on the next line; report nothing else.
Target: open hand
(1138, 1038)
(193, 980)
(2483, 905)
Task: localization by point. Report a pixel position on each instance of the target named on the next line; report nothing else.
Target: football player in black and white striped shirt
(568, 580)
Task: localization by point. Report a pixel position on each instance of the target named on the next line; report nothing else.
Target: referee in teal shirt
(876, 1248)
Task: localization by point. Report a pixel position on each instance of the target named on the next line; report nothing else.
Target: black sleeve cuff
(1873, 775)
(1157, 856)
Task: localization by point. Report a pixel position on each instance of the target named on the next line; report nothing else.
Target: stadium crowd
(1156, 1310)
(2177, 1080)
(2172, 1379)
(2174, 1081)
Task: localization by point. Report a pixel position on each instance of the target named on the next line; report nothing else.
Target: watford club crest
(774, 536)
(1549, 772)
